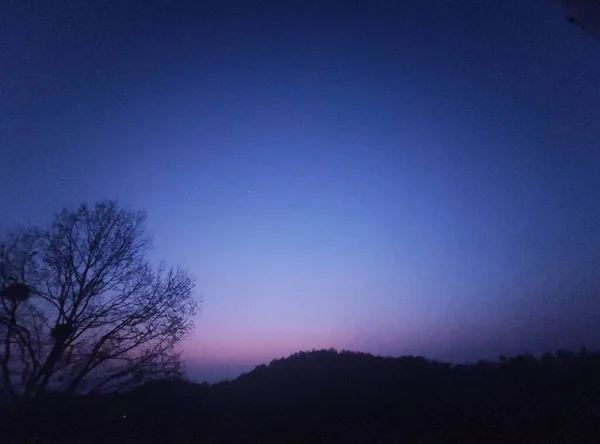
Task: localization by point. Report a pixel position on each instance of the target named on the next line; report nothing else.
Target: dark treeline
(345, 397)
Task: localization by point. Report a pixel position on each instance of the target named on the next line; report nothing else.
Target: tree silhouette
(81, 308)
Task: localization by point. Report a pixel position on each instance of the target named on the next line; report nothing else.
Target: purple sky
(419, 179)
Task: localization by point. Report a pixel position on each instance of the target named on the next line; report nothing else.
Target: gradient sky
(397, 178)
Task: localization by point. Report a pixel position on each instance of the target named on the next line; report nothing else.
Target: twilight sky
(397, 178)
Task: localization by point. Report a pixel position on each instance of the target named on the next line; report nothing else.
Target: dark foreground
(326, 396)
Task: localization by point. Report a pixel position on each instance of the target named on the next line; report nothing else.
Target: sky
(385, 176)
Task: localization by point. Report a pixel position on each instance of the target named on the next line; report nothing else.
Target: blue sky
(393, 178)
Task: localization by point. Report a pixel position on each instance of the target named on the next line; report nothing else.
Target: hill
(331, 396)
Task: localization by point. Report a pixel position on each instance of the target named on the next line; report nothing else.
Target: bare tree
(82, 309)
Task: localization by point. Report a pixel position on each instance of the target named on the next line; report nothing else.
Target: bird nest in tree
(16, 292)
(61, 332)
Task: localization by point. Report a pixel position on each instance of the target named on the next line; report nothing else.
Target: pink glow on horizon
(261, 345)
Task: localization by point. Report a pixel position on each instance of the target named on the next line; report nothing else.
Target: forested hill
(330, 396)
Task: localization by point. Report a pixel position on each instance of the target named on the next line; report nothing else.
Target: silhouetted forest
(345, 397)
